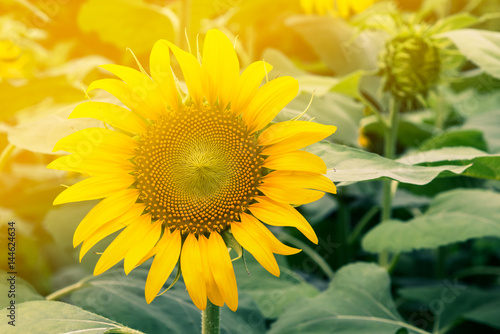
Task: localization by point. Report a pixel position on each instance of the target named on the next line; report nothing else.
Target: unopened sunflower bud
(411, 65)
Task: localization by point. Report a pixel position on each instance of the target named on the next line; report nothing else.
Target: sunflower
(187, 174)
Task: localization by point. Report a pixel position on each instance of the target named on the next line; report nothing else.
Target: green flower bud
(411, 65)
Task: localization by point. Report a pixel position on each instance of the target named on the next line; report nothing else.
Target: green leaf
(337, 44)
(131, 24)
(61, 222)
(453, 216)
(121, 298)
(459, 137)
(334, 109)
(451, 302)
(43, 317)
(484, 165)
(22, 292)
(352, 165)
(349, 85)
(488, 123)
(272, 294)
(308, 83)
(358, 301)
(410, 132)
(482, 47)
(41, 133)
(454, 22)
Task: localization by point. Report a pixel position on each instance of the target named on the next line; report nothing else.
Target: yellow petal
(343, 8)
(282, 194)
(112, 114)
(258, 229)
(248, 84)
(141, 84)
(268, 102)
(117, 250)
(253, 244)
(220, 68)
(192, 73)
(289, 136)
(159, 63)
(192, 271)
(307, 6)
(304, 180)
(280, 214)
(95, 188)
(127, 95)
(361, 5)
(212, 289)
(97, 140)
(92, 165)
(222, 269)
(106, 210)
(296, 161)
(167, 255)
(145, 241)
(111, 227)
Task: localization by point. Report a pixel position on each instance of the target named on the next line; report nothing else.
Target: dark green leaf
(272, 294)
(358, 301)
(121, 298)
(451, 301)
(454, 216)
(461, 137)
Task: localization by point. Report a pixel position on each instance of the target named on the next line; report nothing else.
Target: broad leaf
(456, 137)
(44, 317)
(351, 165)
(334, 109)
(358, 301)
(488, 123)
(308, 83)
(121, 298)
(451, 302)
(22, 291)
(482, 47)
(454, 216)
(454, 22)
(484, 165)
(41, 133)
(337, 45)
(131, 24)
(272, 294)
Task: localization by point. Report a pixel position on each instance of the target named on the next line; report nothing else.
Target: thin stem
(360, 226)
(210, 319)
(374, 109)
(390, 186)
(66, 290)
(310, 252)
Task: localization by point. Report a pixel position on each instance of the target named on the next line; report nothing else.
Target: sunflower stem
(210, 319)
(390, 186)
(66, 290)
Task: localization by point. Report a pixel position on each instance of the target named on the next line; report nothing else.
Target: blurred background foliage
(438, 254)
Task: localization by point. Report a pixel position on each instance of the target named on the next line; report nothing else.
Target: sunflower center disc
(197, 169)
